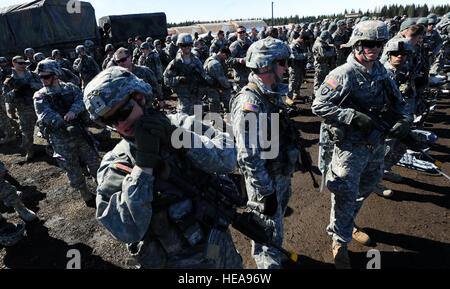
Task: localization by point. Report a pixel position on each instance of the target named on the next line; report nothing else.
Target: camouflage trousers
(69, 153)
(440, 59)
(27, 122)
(8, 192)
(269, 257)
(354, 171)
(394, 152)
(186, 101)
(7, 125)
(320, 72)
(215, 97)
(296, 75)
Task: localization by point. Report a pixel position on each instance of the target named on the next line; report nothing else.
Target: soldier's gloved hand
(400, 129)
(147, 144)
(159, 125)
(270, 204)
(363, 122)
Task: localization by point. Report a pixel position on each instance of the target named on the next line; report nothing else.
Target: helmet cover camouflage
(49, 65)
(371, 30)
(264, 52)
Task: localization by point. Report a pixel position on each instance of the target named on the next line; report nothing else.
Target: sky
(206, 10)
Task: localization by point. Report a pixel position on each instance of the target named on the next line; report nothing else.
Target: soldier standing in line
(85, 66)
(186, 77)
(322, 53)
(237, 60)
(18, 91)
(8, 125)
(356, 165)
(297, 67)
(59, 107)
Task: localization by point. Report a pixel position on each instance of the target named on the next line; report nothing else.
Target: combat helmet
(79, 49)
(108, 88)
(49, 65)
(423, 20)
(145, 45)
(398, 44)
(38, 56)
(184, 38)
(325, 35)
(371, 30)
(55, 52)
(28, 50)
(264, 52)
(88, 43)
(109, 47)
(11, 234)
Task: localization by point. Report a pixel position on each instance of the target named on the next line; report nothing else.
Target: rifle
(293, 134)
(384, 120)
(219, 201)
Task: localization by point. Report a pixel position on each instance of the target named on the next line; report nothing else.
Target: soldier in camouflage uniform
(435, 41)
(237, 60)
(298, 59)
(220, 90)
(59, 107)
(124, 60)
(131, 203)
(10, 233)
(398, 50)
(150, 59)
(218, 42)
(109, 50)
(18, 91)
(85, 66)
(267, 175)
(340, 38)
(361, 84)
(63, 62)
(322, 53)
(7, 125)
(186, 77)
(171, 49)
(137, 52)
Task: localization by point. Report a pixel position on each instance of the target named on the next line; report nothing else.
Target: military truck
(116, 29)
(45, 25)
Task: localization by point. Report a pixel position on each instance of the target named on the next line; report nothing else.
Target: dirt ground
(410, 230)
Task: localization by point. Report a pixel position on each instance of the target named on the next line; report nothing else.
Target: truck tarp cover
(125, 26)
(43, 23)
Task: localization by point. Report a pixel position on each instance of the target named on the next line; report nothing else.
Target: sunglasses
(20, 63)
(240, 32)
(122, 60)
(397, 53)
(372, 44)
(120, 115)
(46, 77)
(282, 62)
(185, 45)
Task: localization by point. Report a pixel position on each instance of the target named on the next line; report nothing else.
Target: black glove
(151, 130)
(270, 204)
(400, 129)
(363, 122)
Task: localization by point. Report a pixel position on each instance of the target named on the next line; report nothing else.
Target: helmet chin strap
(360, 50)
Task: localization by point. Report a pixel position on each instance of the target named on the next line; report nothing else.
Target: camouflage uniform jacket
(153, 62)
(51, 104)
(258, 166)
(299, 53)
(369, 89)
(128, 198)
(214, 69)
(20, 89)
(86, 67)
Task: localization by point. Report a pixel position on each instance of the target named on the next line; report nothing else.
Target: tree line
(387, 11)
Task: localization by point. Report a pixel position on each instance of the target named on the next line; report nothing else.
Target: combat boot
(393, 177)
(26, 214)
(340, 256)
(88, 198)
(383, 191)
(360, 236)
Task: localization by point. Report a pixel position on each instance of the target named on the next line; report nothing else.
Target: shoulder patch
(333, 83)
(123, 168)
(251, 107)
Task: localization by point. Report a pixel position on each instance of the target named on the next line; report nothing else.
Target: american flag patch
(123, 168)
(251, 107)
(333, 83)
